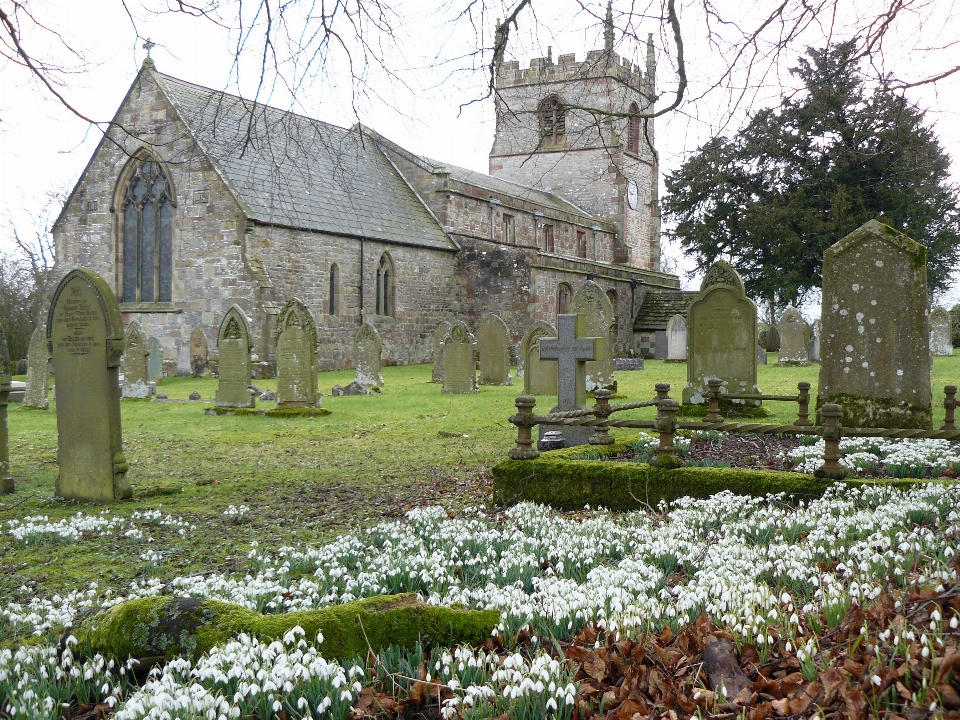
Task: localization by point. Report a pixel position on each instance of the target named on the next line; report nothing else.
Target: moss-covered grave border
(557, 480)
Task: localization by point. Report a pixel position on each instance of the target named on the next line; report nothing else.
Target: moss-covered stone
(879, 412)
(298, 412)
(234, 411)
(156, 629)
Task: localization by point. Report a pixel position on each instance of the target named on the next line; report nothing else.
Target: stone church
(196, 199)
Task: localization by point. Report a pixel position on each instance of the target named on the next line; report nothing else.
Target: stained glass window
(147, 235)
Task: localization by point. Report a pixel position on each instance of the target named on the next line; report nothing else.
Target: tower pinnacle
(608, 28)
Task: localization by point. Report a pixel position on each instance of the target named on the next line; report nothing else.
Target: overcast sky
(44, 147)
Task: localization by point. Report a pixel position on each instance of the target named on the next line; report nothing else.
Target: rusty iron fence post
(713, 394)
(601, 409)
(524, 422)
(831, 467)
(666, 425)
(803, 412)
(949, 405)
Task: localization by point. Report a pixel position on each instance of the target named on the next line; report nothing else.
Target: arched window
(147, 229)
(553, 122)
(563, 298)
(633, 131)
(386, 286)
(333, 305)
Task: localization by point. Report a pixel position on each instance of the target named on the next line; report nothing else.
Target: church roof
(658, 306)
(291, 170)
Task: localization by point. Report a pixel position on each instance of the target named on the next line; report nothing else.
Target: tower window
(147, 229)
(581, 244)
(553, 124)
(548, 244)
(386, 286)
(509, 230)
(633, 131)
(563, 298)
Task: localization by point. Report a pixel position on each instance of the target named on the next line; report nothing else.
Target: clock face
(632, 194)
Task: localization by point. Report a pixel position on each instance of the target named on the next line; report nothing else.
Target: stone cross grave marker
(592, 302)
(677, 338)
(367, 348)
(199, 352)
(234, 343)
(539, 376)
(941, 332)
(38, 370)
(155, 360)
(134, 363)
(794, 335)
(436, 374)
(494, 346)
(86, 339)
(459, 364)
(875, 361)
(296, 343)
(6, 480)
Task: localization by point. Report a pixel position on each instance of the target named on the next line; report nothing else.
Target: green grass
(305, 479)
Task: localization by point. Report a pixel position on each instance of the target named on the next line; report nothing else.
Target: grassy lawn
(304, 480)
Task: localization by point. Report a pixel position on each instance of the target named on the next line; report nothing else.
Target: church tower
(548, 137)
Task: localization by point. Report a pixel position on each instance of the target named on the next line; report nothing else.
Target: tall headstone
(38, 370)
(6, 480)
(771, 338)
(660, 347)
(721, 336)
(539, 376)
(941, 332)
(155, 360)
(813, 346)
(86, 340)
(875, 363)
(134, 363)
(459, 365)
(592, 302)
(441, 332)
(296, 343)
(367, 348)
(234, 343)
(199, 352)
(761, 355)
(494, 346)
(677, 338)
(794, 335)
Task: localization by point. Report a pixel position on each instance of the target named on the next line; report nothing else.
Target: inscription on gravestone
(234, 343)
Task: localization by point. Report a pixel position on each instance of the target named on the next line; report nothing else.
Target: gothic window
(509, 230)
(548, 244)
(553, 122)
(147, 230)
(386, 286)
(563, 298)
(581, 244)
(333, 306)
(633, 131)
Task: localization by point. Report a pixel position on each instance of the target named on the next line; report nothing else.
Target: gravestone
(761, 355)
(296, 343)
(86, 340)
(539, 376)
(572, 351)
(6, 480)
(134, 363)
(813, 346)
(875, 363)
(199, 355)
(771, 338)
(592, 302)
(459, 364)
(494, 346)
(677, 338)
(660, 348)
(721, 336)
(941, 332)
(794, 335)
(234, 343)
(38, 370)
(367, 347)
(441, 332)
(155, 360)
(627, 363)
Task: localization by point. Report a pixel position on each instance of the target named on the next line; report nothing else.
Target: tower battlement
(598, 64)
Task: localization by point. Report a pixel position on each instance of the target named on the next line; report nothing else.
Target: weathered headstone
(677, 338)
(592, 302)
(875, 363)
(134, 363)
(199, 352)
(6, 480)
(437, 374)
(721, 336)
(459, 365)
(539, 376)
(794, 335)
(941, 332)
(38, 370)
(660, 346)
(813, 346)
(155, 360)
(494, 346)
(572, 352)
(367, 348)
(761, 355)
(86, 340)
(234, 343)
(771, 338)
(296, 342)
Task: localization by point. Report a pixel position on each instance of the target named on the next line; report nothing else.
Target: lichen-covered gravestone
(721, 336)
(155, 360)
(234, 343)
(86, 339)
(794, 335)
(38, 370)
(539, 376)
(677, 338)
(437, 373)
(296, 343)
(6, 481)
(813, 346)
(367, 348)
(134, 363)
(875, 364)
(494, 346)
(941, 332)
(199, 352)
(592, 302)
(459, 365)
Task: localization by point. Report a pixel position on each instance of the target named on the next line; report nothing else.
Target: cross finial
(148, 45)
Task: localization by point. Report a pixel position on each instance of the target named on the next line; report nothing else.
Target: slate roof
(659, 306)
(303, 173)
